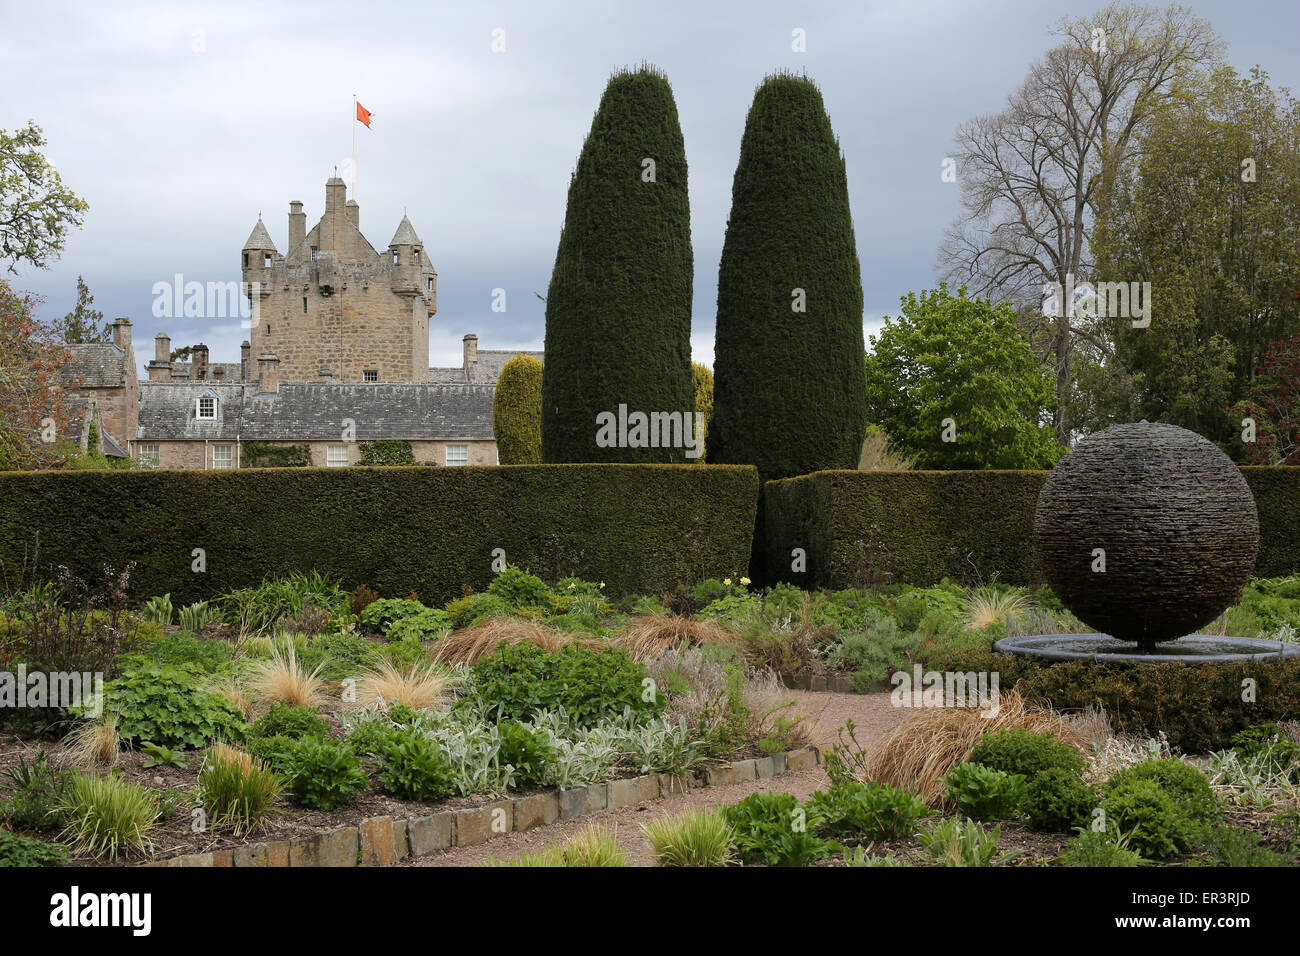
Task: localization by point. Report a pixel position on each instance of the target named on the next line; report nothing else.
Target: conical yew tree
(618, 311)
(789, 388)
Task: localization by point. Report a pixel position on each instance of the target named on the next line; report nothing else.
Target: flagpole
(354, 147)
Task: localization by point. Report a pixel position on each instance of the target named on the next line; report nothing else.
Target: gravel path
(826, 712)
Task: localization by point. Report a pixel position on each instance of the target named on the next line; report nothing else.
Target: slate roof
(259, 239)
(95, 364)
(412, 411)
(485, 371)
(231, 371)
(405, 235)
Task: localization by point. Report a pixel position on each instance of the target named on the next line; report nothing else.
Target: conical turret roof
(259, 239)
(405, 235)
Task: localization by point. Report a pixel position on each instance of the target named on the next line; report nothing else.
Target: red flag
(363, 115)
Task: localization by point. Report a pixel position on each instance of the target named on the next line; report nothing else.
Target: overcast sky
(179, 122)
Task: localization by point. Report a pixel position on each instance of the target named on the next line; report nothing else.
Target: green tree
(1211, 218)
(788, 387)
(517, 412)
(83, 323)
(954, 384)
(1273, 410)
(618, 310)
(35, 418)
(36, 209)
(702, 380)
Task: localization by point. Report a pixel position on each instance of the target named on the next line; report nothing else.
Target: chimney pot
(471, 349)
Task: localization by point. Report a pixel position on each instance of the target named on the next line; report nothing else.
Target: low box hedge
(1198, 706)
(431, 530)
(923, 526)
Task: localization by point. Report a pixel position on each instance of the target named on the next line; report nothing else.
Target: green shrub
(518, 588)
(476, 608)
(260, 454)
(1233, 846)
(339, 656)
(1265, 741)
(168, 707)
(517, 411)
(692, 838)
(415, 767)
(983, 793)
(185, 650)
(1096, 849)
(1156, 824)
(770, 828)
(393, 451)
(285, 720)
(1184, 783)
(1057, 801)
(589, 685)
(625, 251)
(379, 614)
(105, 815)
(235, 789)
(869, 811)
(529, 752)
(38, 789)
(1016, 750)
(430, 530)
(272, 751)
(427, 625)
(872, 656)
(324, 774)
(18, 850)
(955, 842)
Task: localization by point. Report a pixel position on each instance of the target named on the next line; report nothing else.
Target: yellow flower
(602, 584)
(744, 581)
(727, 581)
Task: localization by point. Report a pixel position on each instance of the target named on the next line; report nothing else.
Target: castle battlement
(335, 308)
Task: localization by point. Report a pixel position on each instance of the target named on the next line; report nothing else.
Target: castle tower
(336, 308)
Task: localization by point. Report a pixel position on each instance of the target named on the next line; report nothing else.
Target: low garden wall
(922, 526)
(430, 530)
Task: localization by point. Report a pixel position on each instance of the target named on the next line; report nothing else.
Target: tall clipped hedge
(923, 526)
(517, 412)
(618, 310)
(431, 530)
(790, 391)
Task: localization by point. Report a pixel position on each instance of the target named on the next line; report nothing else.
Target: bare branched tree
(1033, 175)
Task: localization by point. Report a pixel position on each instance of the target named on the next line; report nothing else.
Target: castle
(338, 354)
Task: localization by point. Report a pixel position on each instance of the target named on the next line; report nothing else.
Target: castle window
(304, 303)
(223, 456)
(458, 455)
(245, 260)
(430, 283)
(206, 408)
(370, 375)
(266, 260)
(417, 257)
(394, 257)
(336, 456)
(314, 250)
(149, 453)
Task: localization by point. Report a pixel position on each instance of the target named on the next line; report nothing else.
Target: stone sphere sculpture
(1146, 532)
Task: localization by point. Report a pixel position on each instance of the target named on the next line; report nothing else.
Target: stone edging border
(379, 841)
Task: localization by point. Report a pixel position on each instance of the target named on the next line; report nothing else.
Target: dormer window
(205, 409)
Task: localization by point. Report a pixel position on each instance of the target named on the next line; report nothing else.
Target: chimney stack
(297, 225)
(244, 370)
(122, 333)
(199, 368)
(471, 350)
(160, 369)
(353, 212)
(335, 196)
(268, 374)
